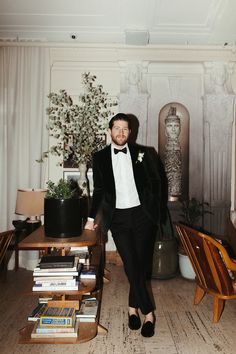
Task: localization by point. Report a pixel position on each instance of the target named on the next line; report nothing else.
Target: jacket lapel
(138, 167)
(108, 166)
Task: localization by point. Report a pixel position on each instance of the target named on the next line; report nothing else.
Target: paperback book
(59, 287)
(55, 332)
(56, 282)
(48, 278)
(62, 272)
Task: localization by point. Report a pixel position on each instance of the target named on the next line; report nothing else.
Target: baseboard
(112, 257)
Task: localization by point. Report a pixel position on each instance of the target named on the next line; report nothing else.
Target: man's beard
(120, 142)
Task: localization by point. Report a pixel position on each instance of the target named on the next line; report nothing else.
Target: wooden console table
(38, 240)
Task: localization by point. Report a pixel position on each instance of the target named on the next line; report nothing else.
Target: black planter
(165, 259)
(62, 217)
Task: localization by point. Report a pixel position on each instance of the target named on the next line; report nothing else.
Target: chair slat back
(5, 240)
(206, 258)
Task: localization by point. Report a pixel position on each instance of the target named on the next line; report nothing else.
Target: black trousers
(134, 237)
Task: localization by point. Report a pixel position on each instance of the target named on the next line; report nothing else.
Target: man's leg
(131, 238)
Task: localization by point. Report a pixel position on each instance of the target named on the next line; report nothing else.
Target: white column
(134, 97)
(218, 106)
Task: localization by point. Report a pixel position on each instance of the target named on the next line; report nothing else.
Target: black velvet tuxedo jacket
(150, 181)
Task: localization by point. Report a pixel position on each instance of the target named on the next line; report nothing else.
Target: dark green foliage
(192, 210)
(63, 190)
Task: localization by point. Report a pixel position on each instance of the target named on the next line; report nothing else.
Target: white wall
(168, 74)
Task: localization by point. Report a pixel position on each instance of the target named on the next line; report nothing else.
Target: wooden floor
(181, 327)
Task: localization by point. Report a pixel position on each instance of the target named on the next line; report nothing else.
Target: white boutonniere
(140, 157)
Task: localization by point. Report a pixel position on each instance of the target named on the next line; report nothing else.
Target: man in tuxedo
(130, 192)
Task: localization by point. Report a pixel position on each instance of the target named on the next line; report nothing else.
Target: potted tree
(192, 212)
(165, 255)
(79, 129)
(63, 209)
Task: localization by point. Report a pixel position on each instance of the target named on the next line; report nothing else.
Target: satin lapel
(134, 154)
(108, 166)
(137, 167)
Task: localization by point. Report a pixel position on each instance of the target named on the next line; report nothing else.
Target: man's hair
(120, 116)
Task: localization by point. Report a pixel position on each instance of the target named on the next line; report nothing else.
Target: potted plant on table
(63, 209)
(79, 129)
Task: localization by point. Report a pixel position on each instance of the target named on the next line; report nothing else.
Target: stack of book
(88, 310)
(56, 321)
(55, 273)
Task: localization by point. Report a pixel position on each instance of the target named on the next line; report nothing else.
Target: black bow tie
(120, 150)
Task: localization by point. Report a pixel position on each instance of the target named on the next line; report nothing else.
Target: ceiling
(140, 22)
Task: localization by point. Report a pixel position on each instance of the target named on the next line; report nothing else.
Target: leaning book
(87, 310)
(37, 311)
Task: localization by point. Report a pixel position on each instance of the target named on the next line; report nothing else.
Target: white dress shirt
(126, 191)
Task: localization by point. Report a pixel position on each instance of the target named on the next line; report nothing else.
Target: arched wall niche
(173, 147)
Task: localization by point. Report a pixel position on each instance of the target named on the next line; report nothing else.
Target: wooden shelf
(38, 240)
(86, 332)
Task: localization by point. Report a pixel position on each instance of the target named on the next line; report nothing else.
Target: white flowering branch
(79, 128)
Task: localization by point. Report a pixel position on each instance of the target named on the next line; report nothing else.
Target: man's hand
(90, 225)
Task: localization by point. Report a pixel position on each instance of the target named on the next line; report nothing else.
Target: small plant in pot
(63, 209)
(192, 212)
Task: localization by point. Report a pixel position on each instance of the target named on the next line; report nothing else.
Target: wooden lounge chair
(5, 240)
(212, 266)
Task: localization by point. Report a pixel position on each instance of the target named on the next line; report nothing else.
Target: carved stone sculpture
(172, 156)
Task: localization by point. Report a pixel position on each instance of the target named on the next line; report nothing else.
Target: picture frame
(75, 174)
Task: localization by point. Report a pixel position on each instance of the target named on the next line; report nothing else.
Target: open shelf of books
(69, 287)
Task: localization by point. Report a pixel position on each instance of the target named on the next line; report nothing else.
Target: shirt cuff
(90, 219)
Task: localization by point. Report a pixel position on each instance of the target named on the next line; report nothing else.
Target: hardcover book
(57, 262)
(37, 311)
(57, 271)
(58, 316)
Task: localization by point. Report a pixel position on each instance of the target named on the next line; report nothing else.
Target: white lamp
(30, 202)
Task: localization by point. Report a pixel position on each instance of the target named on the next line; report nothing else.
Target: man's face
(119, 132)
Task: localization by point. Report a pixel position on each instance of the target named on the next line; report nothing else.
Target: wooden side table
(93, 239)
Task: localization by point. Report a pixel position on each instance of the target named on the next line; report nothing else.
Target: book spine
(61, 273)
(56, 283)
(54, 288)
(56, 321)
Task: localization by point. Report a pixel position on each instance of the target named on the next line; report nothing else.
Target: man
(129, 193)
